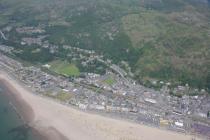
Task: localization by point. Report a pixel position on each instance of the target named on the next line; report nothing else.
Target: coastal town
(115, 95)
(105, 69)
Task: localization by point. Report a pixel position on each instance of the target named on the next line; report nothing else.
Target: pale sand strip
(77, 125)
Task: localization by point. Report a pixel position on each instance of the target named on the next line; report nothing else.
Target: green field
(109, 80)
(61, 96)
(64, 68)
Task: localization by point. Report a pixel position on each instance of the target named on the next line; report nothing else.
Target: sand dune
(50, 117)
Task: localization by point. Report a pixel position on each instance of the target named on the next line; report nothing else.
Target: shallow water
(11, 125)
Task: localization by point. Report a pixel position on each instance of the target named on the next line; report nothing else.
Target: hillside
(174, 45)
(167, 40)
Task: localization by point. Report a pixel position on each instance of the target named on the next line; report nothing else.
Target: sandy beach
(59, 122)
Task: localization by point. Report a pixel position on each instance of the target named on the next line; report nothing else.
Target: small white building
(47, 66)
(74, 90)
(65, 90)
(124, 109)
(150, 100)
(203, 115)
(98, 107)
(82, 106)
(179, 124)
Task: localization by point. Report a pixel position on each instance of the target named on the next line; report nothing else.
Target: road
(2, 35)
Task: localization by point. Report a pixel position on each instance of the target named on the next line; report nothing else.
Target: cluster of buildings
(112, 93)
(32, 40)
(121, 97)
(36, 36)
(30, 30)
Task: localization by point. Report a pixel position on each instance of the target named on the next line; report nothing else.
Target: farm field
(64, 68)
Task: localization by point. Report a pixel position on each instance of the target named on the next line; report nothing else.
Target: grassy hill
(162, 39)
(175, 46)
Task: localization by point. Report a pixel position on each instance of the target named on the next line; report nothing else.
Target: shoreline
(70, 124)
(25, 111)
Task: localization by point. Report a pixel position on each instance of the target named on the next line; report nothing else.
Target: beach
(55, 121)
(26, 115)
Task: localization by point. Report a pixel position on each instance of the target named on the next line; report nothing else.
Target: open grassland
(61, 96)
(64, 68)
(109, 80)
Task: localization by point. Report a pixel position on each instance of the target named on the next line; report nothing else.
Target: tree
(208, 82)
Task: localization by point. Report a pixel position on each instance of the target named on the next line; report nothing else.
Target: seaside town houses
(123, 98)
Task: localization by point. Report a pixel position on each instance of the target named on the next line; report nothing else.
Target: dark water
(11, 125)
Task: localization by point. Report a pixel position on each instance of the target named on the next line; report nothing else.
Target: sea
(12, 127)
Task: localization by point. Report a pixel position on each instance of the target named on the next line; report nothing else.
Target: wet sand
(59, 122)
(26, 114)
